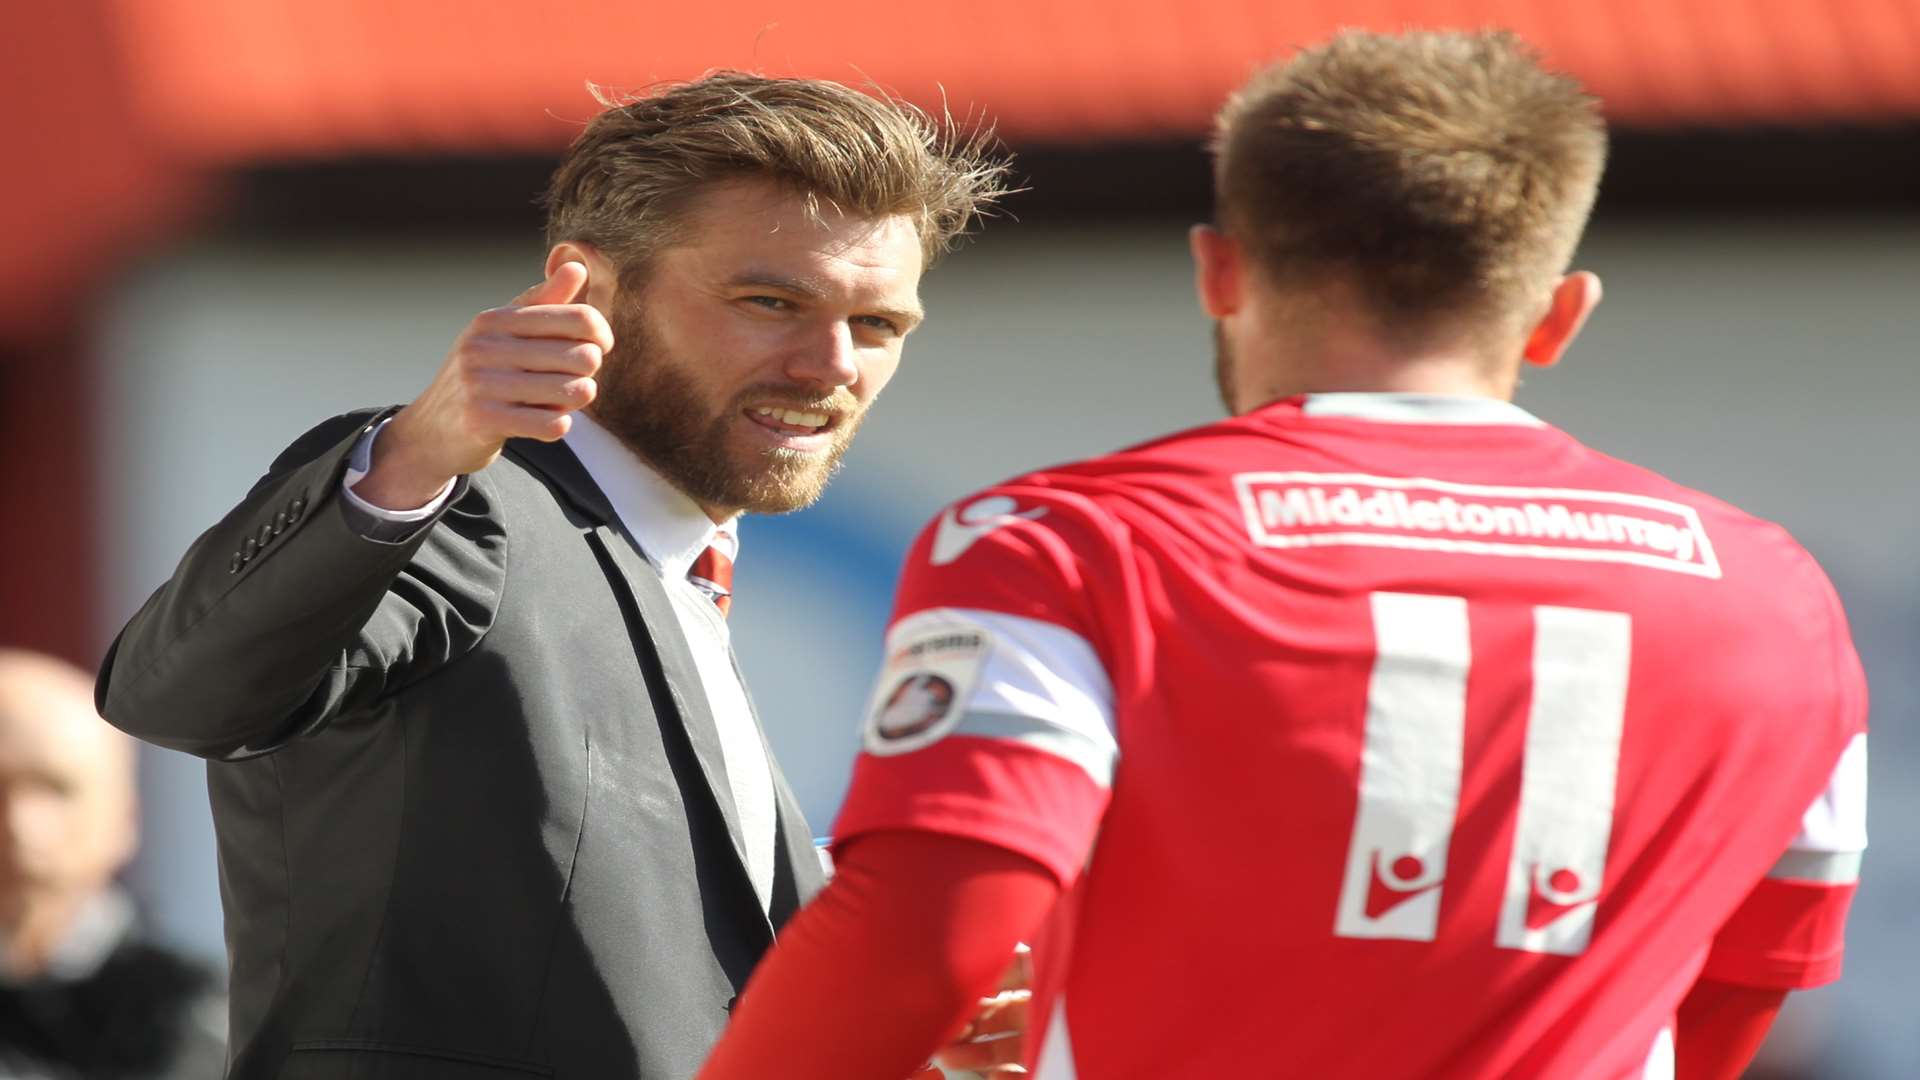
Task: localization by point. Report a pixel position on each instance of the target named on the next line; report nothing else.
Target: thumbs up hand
(516, 371)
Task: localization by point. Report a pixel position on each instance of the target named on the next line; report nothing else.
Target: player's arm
(1787, 935)
(1720, 1027)
(888, 963)
(988, 754)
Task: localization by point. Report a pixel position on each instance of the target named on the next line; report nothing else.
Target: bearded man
(491, 797)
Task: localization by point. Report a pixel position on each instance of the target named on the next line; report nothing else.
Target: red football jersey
(1379, 736)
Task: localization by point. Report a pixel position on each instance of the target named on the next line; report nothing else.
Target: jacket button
(266, 535)
(732, 1001)
(279, 523)
(248, 550)
(234, 564)
(296, 508)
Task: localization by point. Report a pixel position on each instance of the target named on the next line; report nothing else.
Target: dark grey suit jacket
(473, 815)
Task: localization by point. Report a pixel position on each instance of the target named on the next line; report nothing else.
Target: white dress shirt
(672, 531)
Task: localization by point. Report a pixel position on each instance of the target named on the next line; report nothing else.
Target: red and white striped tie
(712, 573)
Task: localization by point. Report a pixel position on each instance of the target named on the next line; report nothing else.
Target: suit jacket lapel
(796, 845)
(659, 623)
(795, 838)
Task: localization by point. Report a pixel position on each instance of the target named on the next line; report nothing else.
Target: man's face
(744, 364)
(66, 794)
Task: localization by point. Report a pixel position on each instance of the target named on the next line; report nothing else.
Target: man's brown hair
(1435, 172)
(625, 182)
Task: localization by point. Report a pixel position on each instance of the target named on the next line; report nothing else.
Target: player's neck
(1289, 374)
(1414, 377)
(1287, 344)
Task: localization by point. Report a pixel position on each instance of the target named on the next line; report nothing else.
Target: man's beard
(652, 402)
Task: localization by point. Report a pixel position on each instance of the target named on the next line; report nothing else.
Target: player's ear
(603, 280)
(1574, 298)
(1219, 273)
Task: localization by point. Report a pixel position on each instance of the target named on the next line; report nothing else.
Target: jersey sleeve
(992, 716)
(1789, 932)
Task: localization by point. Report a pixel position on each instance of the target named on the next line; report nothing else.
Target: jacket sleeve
(285, 616)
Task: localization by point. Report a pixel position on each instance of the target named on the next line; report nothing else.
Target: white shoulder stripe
(1827, 867)
(1837, 820)
(1093, 755)
(1012, 677)
(1034, 667)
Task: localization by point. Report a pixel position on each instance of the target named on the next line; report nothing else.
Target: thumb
(567, 281)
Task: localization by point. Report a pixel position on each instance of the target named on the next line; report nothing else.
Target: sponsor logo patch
(923, 688)
(1288, 510)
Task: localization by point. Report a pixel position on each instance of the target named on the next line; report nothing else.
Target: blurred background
(228, 219)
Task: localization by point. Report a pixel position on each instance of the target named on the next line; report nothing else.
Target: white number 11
(1412, 758)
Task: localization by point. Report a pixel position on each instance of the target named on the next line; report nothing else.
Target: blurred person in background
(83, 994)
(490, 795)
(1381, 730)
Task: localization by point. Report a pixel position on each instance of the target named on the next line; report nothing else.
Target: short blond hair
(1440, 173)
(627, 179)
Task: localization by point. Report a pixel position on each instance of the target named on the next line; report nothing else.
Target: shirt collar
(670, 527)
(1418, 408)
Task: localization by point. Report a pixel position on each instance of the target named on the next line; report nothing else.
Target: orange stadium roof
(237, 79)
(121, 110)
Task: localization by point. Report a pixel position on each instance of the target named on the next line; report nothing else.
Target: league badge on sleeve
(919, 702)
(923, 689)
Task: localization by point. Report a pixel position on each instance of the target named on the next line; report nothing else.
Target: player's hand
(517, 371)
(994, 1042)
